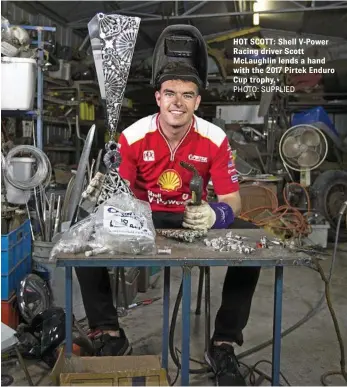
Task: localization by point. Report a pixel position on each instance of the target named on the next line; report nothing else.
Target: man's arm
(224, 178)
(233, 200)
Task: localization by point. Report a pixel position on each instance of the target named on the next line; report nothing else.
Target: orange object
(9, 312)
(76, 349)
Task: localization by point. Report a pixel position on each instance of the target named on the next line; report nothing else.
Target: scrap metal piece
(231, 242)
(164, 251)
(80, 176)
(189, 236)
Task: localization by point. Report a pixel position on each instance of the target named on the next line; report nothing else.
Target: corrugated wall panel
(65, 36)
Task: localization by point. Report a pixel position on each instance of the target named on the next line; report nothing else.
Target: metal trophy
(113, 39)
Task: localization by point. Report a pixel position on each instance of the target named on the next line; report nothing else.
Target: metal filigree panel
(113, 39)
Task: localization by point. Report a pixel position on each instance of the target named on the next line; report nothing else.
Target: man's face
(177, 101)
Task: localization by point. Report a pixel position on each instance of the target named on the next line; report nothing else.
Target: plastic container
(316, 114)
(56, 277)
(318, 236)
(18, 80)
(9, 312)
(15, 259)
(21, 170)
(64, 71)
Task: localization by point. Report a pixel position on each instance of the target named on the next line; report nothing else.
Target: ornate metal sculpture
(113, 39)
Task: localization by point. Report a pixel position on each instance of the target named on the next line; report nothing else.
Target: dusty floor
(307, 353)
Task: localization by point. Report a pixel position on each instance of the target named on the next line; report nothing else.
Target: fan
(303, 148)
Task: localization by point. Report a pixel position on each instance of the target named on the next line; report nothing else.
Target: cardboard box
(108, 371)
(254, 196)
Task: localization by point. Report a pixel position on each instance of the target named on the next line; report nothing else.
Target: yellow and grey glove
(200, 217)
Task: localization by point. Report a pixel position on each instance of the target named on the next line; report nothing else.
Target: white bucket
(21, 170)
(18, 78)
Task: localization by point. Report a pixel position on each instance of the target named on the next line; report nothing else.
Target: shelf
(18, 113)
(59, 148)
(58, 120)
(60, 101)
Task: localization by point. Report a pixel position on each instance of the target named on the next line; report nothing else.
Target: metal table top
(196, 254)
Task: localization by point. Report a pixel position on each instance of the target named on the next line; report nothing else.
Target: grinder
(195, 185)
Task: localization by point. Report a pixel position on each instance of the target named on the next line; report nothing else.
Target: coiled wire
(43, 172)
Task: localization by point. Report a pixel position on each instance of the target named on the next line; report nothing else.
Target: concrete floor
(307, 353)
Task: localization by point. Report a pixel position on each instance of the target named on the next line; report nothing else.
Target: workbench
(188, 255)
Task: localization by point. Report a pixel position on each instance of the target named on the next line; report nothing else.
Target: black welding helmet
(180, 43)
(51, 325)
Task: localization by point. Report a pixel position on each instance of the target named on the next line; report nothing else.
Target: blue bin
(15, 259)
(316, 114)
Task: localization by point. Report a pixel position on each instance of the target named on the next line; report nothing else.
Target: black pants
(231, 319)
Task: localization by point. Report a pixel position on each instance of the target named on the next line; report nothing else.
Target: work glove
(93, 190)
(198, 217)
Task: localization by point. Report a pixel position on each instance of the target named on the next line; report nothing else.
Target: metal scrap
(230, 242)
(166, 251)
(189, 236)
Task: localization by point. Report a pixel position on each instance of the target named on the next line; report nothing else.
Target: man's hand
(93, 190)
(200, 217)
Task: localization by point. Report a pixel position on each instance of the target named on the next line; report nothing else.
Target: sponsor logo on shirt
(234, 178)
(148, 155)
(157, 198)
(170, 180)
(200, 159)
(230, 164)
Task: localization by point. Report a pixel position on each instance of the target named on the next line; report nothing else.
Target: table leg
(68, 309)
(277, 325)
(186, 301)
(207, 308)
(200, 286)
(166, 309)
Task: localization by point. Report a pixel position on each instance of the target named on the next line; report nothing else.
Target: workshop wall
(16, 15)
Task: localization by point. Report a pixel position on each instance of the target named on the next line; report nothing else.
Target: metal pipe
(194, 8)
(298, 4)
(57, 217)
(84, 43)
(39, 131)
(137, 6)
(131, 13)
(228, 14)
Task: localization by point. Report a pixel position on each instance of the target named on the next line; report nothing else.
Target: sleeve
(127, 168)
(223, 172)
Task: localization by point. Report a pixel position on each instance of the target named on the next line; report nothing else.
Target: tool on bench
(195, 185)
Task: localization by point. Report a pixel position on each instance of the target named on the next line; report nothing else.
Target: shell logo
(169, 180)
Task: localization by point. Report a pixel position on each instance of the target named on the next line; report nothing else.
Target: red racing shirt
(153, 168)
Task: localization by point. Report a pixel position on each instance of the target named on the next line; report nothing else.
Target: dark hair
(178, 70)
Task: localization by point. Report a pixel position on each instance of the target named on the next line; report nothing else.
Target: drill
(196, 183)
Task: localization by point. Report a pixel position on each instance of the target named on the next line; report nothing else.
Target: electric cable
(290, 216)
(43, 173)
(327, 281)
(308, 316)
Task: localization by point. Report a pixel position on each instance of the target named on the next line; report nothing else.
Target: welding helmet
(50, 324)
(180, 43)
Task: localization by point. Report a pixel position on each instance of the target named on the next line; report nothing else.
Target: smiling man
(152, 149)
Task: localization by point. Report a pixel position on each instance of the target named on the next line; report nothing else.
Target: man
(151, 151)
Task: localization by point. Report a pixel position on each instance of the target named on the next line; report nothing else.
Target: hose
(308, 316)
(326, 280)
(291, 218)
(43, 172)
